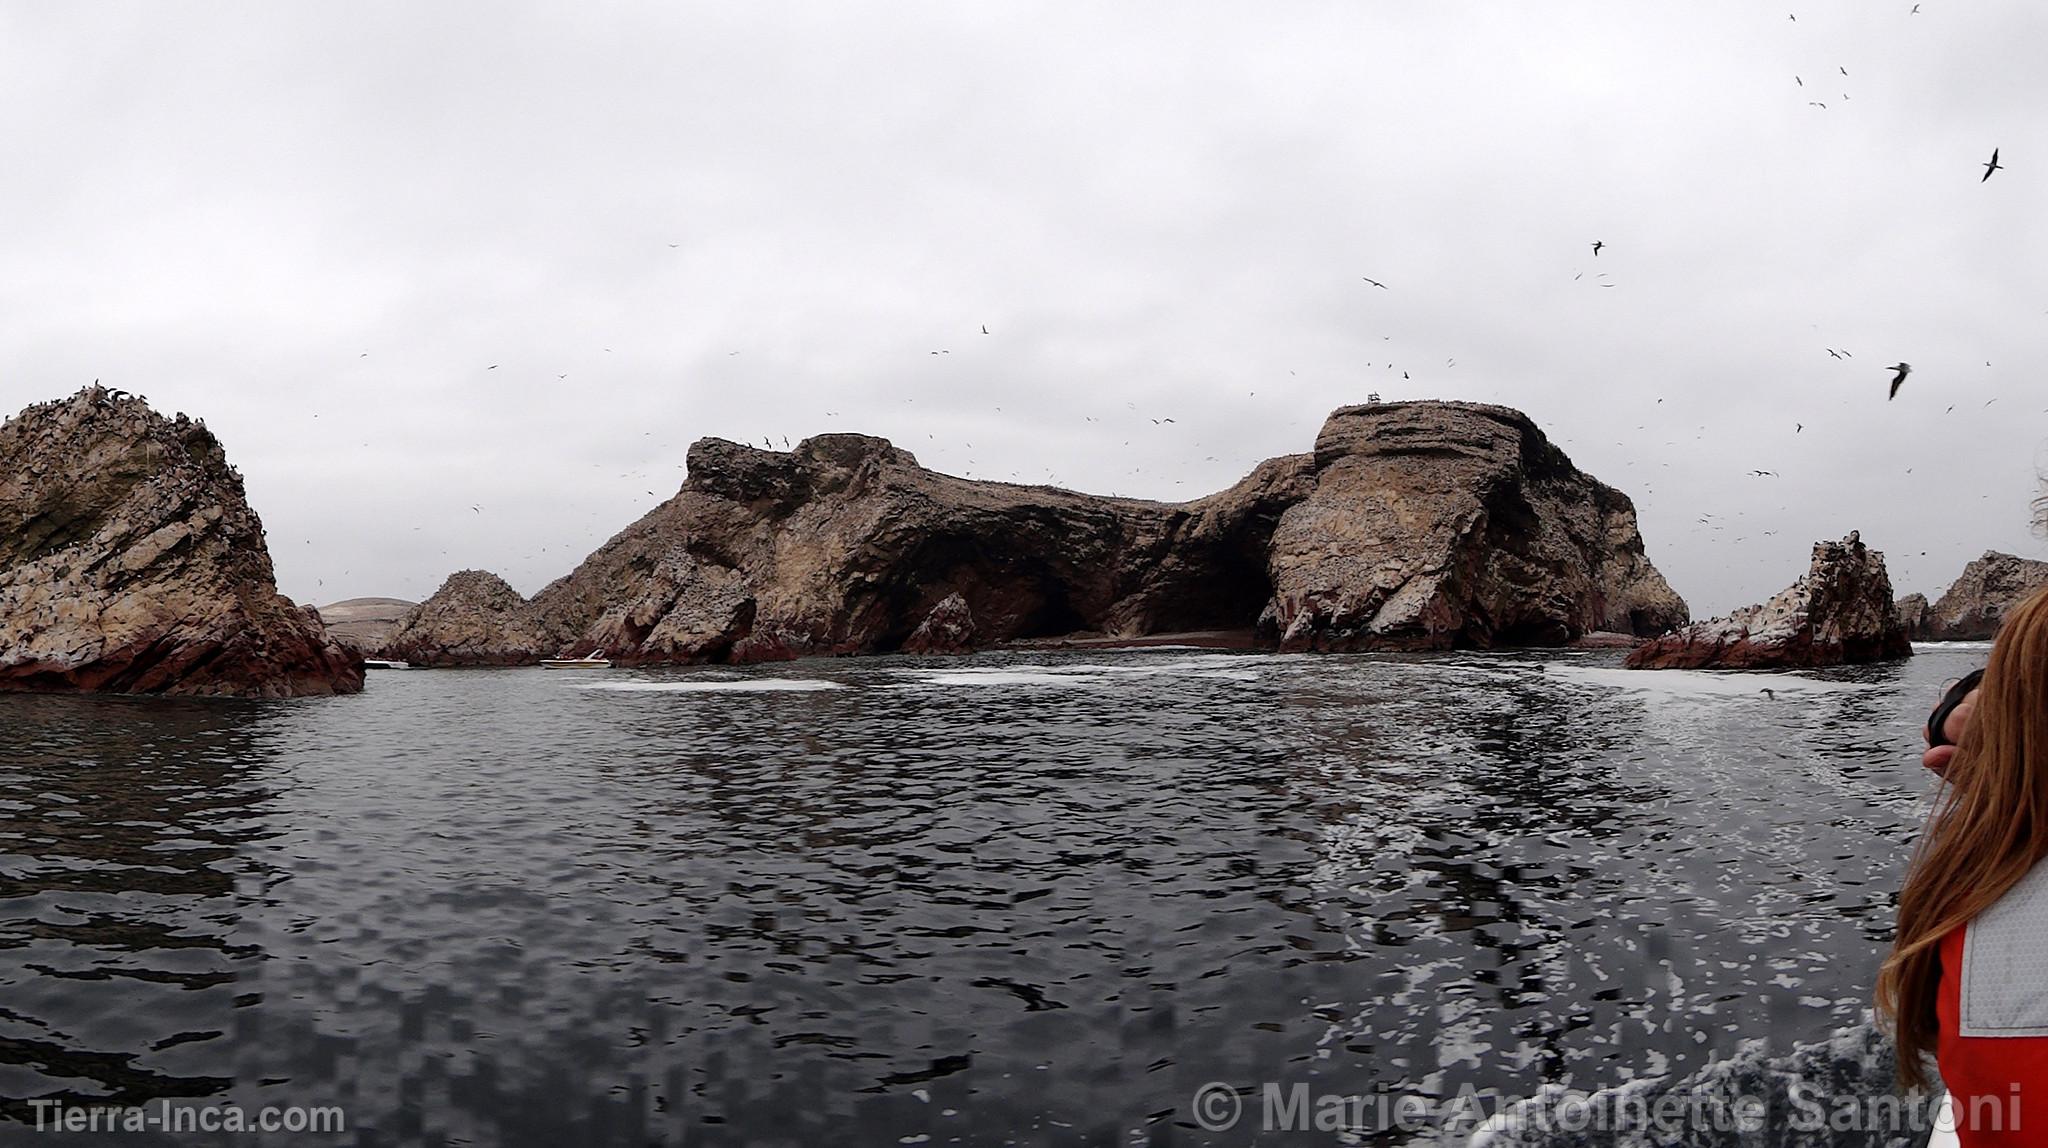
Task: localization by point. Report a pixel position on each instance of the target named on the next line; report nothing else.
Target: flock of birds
(1897, 373)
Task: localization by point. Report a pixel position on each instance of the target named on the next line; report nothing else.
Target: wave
(1700, 683)
(729, 685)
(1214, 667)
(1798, 1100)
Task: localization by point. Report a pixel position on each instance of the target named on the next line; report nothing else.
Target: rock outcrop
(1411, 526)
(131, 562)
(1912, 611)
(948, 629)
(1436, 521)
(474, 619)
(1977, 601)
(362, 625)
(1840, 611)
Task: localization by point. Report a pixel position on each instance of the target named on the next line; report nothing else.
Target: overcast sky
(320, 226)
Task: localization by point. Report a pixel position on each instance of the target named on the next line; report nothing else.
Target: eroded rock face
(1977, 601)
(1412, 525)
(1434, 525)
(1912, 611)
(474, 619)
(948, 629)
(1840, 611)
(131, 562)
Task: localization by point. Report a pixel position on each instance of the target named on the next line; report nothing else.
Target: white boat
(589, 661)
(385, 664)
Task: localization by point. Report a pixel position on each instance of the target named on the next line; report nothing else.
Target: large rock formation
(364, 624)
(1839, 611)
(1430, 521)
(1411, 526)
(1912, 611)
(131, 562)
(1978, 600)
(474, 619)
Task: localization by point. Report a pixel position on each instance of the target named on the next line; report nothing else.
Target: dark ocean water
(1006, 899)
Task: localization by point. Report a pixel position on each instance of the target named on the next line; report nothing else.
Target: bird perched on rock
(1899, 379)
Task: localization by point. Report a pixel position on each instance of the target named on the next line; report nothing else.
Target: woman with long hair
(1967, 979)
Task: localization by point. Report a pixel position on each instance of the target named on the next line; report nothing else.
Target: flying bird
(1899, 379)
(1992, 166)
(1375, 282)
(1832, 351)
(984, 328)
(1597, 245)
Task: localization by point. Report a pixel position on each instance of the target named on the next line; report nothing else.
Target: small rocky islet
(130, 561)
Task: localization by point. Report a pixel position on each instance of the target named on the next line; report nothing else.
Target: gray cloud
(320, 227)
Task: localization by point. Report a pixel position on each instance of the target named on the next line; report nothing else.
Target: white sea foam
(1698, 683)
(1937, 646)
(1216, 667)
(1007, 676)
(739, 685)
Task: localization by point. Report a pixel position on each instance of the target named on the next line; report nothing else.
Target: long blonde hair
(1989, 827)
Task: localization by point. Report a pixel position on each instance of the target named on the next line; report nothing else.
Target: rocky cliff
(1411, 526)
(1978, 600)
(1435, 524)
(1912, 612)
(474, 619)
(131, 562)
(1839, 611)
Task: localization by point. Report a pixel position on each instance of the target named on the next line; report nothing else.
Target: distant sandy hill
(364, 624)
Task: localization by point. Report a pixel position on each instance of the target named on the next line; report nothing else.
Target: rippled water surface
(1034, 899)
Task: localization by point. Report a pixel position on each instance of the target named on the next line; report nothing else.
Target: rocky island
(1840, 611)
(131, 562)
(1410, 526)
(1977, 601)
